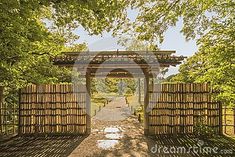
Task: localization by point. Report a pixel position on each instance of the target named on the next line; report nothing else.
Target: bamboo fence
(175, 109)
(228, 120)
(52, 109)
(178, 108)
(8, 117)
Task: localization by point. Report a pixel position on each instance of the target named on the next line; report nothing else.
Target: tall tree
(215, 61)
(33, 31)
(155, 17)
(211, 23)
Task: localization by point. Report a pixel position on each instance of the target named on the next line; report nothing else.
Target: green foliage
(200, 129)
(214, 62)
(34, 31)
(155, 17)
(95, 16)
(131, 86)
(132, 44)
(111, 85)
(211, 23)
(31, 32)
(76, 48)
(26, 40)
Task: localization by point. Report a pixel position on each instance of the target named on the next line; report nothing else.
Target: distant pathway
(114, 111)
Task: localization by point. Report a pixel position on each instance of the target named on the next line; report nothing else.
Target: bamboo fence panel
(8, 117)
(228, 120)
(52, 109)
(178, 108)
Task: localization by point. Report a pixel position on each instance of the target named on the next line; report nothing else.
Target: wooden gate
(180, 108)
(53, 109)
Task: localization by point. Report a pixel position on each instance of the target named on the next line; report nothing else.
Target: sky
(174, 40)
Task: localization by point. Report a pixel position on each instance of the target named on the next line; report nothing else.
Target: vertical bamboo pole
(88, 101)
(146, 102)
(220, 118)
(1, 99)
(139, 88)
(19, 113)
(233, 120)
(225, 119)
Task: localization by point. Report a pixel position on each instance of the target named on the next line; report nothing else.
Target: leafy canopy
(32, 31)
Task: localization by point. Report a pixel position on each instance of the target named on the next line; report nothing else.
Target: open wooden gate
(179, 108)
(53, 109)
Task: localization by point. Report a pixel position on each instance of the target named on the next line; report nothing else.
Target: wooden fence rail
(52, 109)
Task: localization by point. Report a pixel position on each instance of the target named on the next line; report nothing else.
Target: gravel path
(114, 111)
(115, 132)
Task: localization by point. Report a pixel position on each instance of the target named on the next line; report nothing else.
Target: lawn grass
(136, 107)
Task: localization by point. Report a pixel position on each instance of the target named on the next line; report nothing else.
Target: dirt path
(114, 111)
(115, 132)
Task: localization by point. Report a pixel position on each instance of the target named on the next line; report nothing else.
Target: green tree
(211, 23)
(33, 31)
(76, 48)
(155, 17)
(214, 62)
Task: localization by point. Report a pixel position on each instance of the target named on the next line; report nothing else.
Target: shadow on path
(134, 143)
(225, 145)
(53, 146)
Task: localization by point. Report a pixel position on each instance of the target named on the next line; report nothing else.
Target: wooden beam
(164, 52)
(118, 75)
(118, 65)
(97, 66)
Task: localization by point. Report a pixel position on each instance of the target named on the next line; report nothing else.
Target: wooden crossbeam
(164, 52)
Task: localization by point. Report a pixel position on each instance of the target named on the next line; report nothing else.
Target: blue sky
(174, 40)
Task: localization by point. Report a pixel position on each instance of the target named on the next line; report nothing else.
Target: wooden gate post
(146, 102)
(88, 101)
(139, 85)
